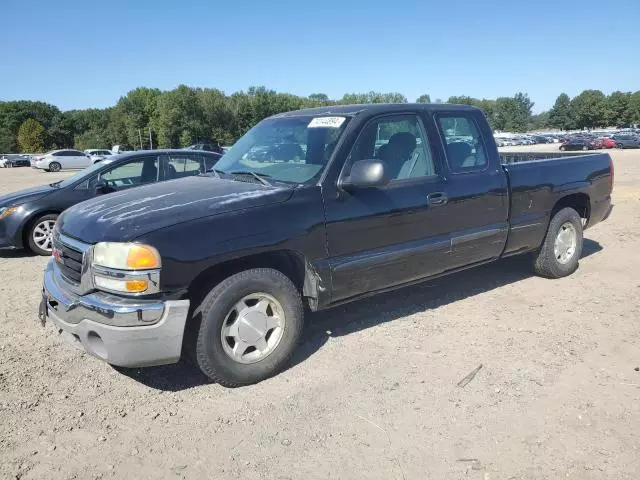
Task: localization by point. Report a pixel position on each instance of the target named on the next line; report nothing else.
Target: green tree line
(186, 115)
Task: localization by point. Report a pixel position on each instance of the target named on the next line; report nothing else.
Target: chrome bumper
(128, 332)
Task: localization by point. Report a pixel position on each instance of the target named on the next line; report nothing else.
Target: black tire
(29, 233)
(620, 146)
(55, 167)
(545, 262)
(562, 148)
(210, 356)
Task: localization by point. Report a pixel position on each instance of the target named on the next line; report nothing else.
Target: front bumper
(95, 322)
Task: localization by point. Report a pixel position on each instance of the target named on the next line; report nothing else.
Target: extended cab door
(385, 236)
(476, 186)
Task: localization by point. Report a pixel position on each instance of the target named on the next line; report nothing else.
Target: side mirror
(366, 174)
(102, 187)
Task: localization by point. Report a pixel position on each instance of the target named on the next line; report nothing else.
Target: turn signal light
(136, 286)
(141, 257)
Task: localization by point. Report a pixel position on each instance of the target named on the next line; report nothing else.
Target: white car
(57, 160)
(97, 154)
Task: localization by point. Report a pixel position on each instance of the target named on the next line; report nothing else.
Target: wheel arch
(291, 263)
(28, 223)
(580, 202)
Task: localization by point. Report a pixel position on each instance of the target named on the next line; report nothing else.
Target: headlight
(126, 256)
(126, 267)
(6, 211)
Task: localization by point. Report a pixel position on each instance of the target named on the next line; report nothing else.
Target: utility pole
(140, 137)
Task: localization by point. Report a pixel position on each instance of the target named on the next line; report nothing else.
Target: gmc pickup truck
(309, 209)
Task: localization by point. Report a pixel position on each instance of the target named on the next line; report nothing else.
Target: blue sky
(79, 54)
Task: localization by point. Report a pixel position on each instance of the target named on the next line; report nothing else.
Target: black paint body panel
(357, 242)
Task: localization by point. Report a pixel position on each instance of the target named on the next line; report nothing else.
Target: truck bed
(515, 157)
(537, 181)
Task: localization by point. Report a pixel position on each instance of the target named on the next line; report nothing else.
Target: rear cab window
(464, 147)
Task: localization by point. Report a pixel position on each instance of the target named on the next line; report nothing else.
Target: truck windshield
(285, 149)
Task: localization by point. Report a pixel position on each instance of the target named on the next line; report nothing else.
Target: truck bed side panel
(536, 187)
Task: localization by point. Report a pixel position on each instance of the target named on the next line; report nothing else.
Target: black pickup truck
(309, 209)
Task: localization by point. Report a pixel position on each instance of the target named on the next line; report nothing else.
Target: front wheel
(40, 233)
(250, 324)
(562, 246)
(54, 167)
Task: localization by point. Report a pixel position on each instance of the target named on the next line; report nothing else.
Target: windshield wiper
(55, 183)
(258, 176)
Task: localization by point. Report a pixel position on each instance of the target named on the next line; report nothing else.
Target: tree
(319, 99)
(512, 114)
(61, 131)
(136, 110)
(561, 115)
(14, 114)
(617, 109)
(634, 107)
(7, 140)
(31, 136)
(425, 98)
(372, 97)
(178, 115)
(589, 109)
(541, 120)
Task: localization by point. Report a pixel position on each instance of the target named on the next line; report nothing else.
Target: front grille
(69, 261)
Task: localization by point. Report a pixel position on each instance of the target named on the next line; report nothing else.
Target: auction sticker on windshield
(326, 122)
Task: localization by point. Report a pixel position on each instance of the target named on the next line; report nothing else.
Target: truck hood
(124, 216)
(22, 196)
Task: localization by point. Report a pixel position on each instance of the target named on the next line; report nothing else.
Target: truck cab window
(399, 141)
(463, 143)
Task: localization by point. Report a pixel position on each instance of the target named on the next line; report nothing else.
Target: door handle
(437, 199)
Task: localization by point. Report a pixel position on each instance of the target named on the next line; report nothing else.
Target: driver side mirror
(366, 174)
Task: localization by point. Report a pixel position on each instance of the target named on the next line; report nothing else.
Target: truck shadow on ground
(367, 313)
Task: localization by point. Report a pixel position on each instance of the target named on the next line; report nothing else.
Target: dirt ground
(372, 392)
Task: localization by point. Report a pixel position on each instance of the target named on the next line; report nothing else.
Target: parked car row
(15, 161)
(591, 142)
(525, 140)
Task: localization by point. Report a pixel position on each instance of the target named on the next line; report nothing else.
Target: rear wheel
(563, 148)
(619, 145)
(562, 246)
(250, 325)
(40, 233)
(55, 167)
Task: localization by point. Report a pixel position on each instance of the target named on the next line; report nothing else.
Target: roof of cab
(373, 108)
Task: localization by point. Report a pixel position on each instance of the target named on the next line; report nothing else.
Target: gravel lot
(372, 393)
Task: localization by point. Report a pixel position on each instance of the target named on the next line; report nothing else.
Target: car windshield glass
(81, 174)
(285, 149)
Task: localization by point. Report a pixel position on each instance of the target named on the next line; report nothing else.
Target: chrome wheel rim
(564, 247)
(253, 328)
(54, 167)
(43, 235)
